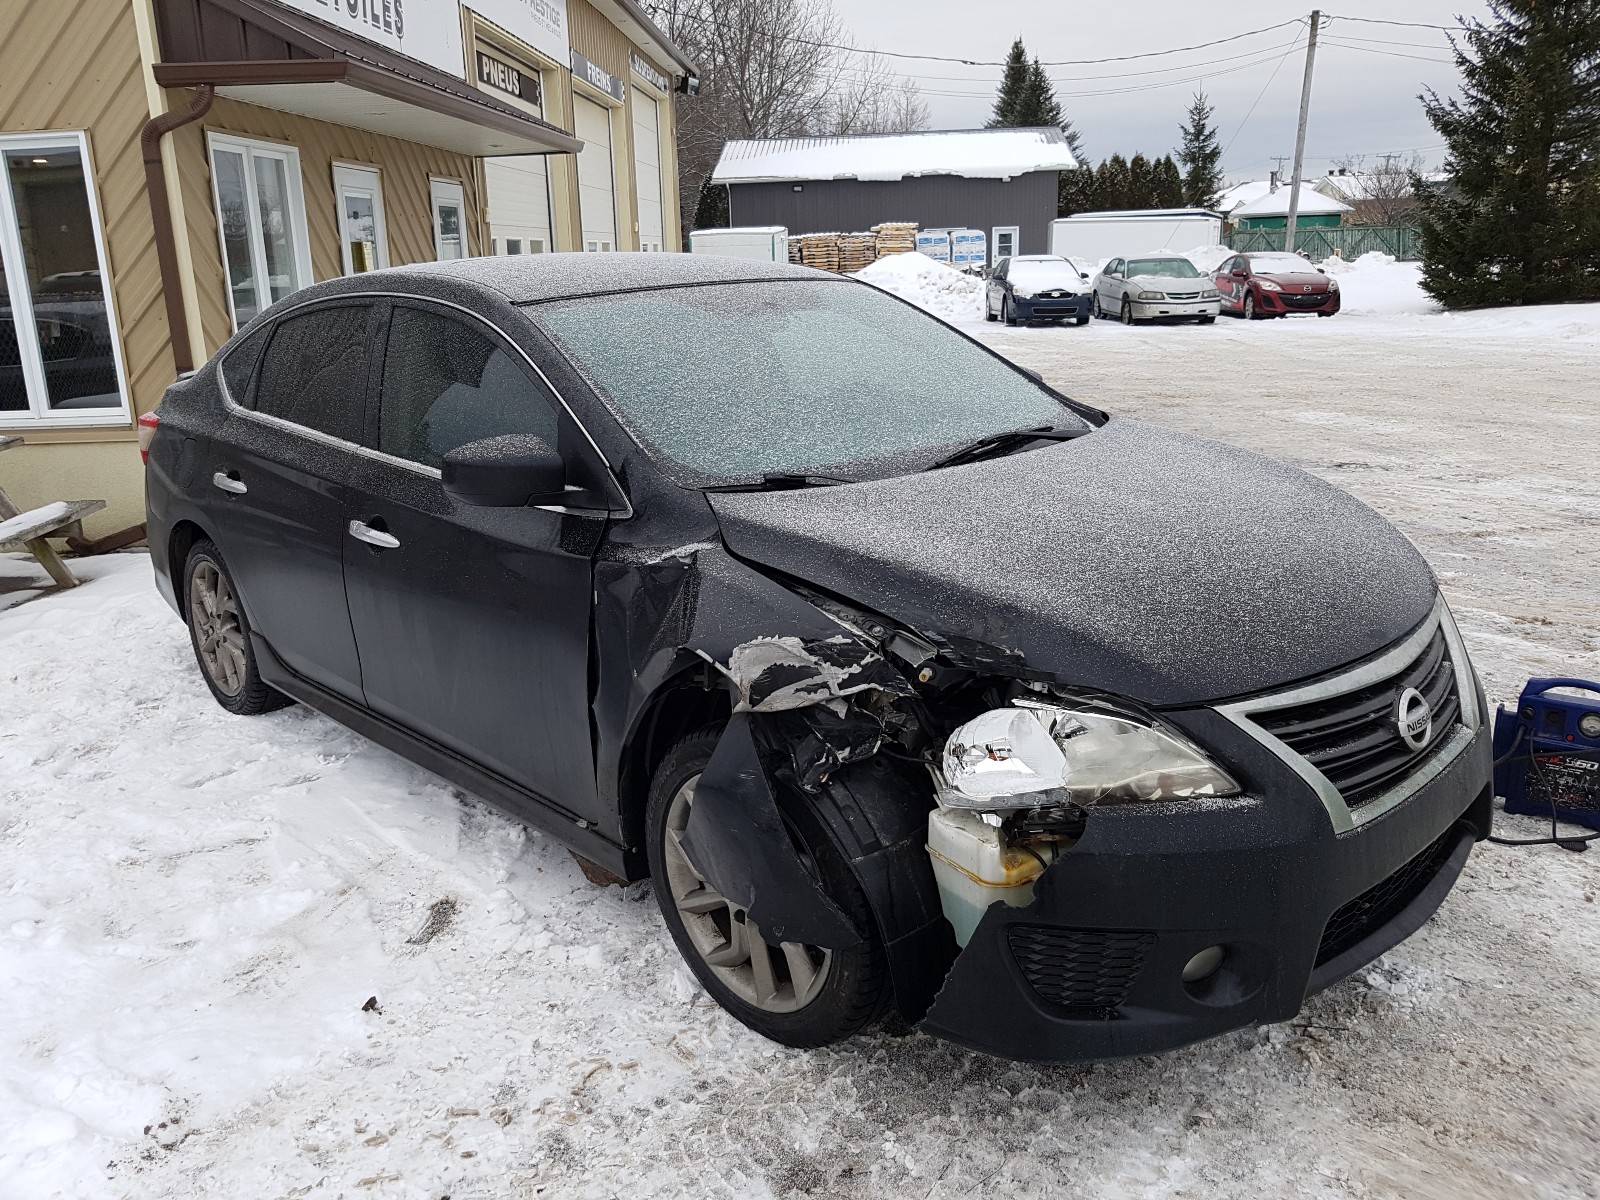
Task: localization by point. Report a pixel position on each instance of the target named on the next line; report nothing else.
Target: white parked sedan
(1148, 289)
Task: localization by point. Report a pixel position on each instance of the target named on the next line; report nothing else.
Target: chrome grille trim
(1387, 664)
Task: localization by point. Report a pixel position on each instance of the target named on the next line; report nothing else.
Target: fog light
(1203, 965)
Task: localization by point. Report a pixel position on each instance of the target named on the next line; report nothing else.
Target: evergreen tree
(1517, 220)
(1141, 183)
(712, 210)
(1076, 192)
(1201, 156)
(1014, 86)
(1113, 184)
(1167, 189)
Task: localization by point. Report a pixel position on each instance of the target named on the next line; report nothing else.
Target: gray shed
(1001, 181)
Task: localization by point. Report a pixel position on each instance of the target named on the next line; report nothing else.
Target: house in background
(1004, 182)
(1268, 208)
(169, 168)
(1375, 197)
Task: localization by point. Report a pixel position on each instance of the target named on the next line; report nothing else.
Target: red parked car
(1275, 285)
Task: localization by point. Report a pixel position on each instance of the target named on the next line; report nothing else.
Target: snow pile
(941, 289)
(1377, 285)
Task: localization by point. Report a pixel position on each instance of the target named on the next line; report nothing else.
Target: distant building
(1001, 181)
(1269, 208)
(1375, 197)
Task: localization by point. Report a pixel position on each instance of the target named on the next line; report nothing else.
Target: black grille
(1382, 902)
(1354, 739)
(1305, 299)
(1086, 969)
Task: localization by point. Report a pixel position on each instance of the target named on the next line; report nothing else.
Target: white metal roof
(969, 153)
(1276, 204)
(1142, 212)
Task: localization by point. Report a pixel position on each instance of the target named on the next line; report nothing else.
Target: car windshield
(1275, 263)
(738, 381)
(1170, 268)
(1036, 274)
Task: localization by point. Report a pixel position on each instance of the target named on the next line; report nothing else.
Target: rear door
(474, 628)
(277, 477)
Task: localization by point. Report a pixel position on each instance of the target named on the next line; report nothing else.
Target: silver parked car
(1150, 289)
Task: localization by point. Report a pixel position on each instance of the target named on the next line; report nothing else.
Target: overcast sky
(1363, 100)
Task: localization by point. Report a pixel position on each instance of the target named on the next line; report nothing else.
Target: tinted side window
(314, 372)
(239, 367)
(447, 383)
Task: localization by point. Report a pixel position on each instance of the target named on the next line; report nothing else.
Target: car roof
(533, 278)
(1037, 258)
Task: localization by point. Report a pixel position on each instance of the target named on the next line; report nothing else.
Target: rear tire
(988, 312)
(806, 1011)
(219, 631)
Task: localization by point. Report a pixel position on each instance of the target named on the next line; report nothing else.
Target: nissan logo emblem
(1413, 717)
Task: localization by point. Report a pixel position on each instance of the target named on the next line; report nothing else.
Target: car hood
(1168, 283)
(1296, 281)
(1135, 560)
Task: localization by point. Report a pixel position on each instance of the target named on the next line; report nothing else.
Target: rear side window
(239, 367)
(447, 383)
(314, 372)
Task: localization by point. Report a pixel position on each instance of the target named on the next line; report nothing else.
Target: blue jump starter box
(1547, 753)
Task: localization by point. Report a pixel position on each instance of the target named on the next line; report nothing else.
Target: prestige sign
(542, 24)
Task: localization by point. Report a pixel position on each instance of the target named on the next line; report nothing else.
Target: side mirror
(1083, 275)
(1032, 374)
(1239, 273)
(511, 471)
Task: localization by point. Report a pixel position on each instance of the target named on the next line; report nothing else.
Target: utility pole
(1300, 137)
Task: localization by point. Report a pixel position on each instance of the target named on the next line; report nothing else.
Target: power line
(1407, 24)
(1343, 45)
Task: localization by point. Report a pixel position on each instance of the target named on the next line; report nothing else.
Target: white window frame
(39, 413)
(449, 191)
(348, 178)
(299, 236)
(1016, 237)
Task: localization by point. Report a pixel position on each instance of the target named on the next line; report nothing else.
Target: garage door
(647, 169)
(519, 204)
(597, 198)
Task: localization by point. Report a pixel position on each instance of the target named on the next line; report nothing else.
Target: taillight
(148, 424)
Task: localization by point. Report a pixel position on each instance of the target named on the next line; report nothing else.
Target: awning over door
(262, 53)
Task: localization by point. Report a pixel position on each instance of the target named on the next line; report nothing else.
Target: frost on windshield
(742, 380)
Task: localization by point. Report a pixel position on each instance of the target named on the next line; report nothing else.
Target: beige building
(171, 167)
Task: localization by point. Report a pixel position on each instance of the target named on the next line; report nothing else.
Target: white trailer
(767, 243)
(1095, 237)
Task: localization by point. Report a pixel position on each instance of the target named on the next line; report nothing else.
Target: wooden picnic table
(30, 529)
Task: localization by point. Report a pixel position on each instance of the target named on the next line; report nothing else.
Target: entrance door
(472, 623)
(449, 220)
(647, 169)
(1005, 241)
(363, 239)
(597, 193)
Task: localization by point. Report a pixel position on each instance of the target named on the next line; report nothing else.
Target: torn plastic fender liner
(736, 838)
(774, 674)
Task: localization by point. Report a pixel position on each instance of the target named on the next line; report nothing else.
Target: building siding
(406, 168)
(932, 201)
(74, 65)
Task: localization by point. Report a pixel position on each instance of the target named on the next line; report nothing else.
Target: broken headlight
(1037, 755)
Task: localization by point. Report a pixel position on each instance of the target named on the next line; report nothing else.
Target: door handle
(383, 540)
(229, 483)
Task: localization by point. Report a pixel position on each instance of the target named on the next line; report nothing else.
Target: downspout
(155, 184)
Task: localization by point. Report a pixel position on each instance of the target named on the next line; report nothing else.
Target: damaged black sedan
(913, 685)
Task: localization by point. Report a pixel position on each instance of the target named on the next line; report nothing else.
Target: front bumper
(1050, 308)
(1176, 309)
(1297, 302)
(1295, 906)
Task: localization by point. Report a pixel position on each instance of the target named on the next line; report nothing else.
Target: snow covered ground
(195, 908)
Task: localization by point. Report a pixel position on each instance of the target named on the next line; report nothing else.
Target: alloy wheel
(219, 636)
(1127, 311)
(1249, 308)
(774, 979)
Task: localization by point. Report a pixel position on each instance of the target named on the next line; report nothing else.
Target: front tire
(1081, 321)
(802, 996)
(1006, 313)
(1208, 320)
(1127, 311)
(1250, 307)
(219, 631)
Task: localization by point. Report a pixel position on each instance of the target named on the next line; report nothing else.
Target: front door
(1005, 241)
(474, 628)
(277, 476)
(363, 237)
(449, 219)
